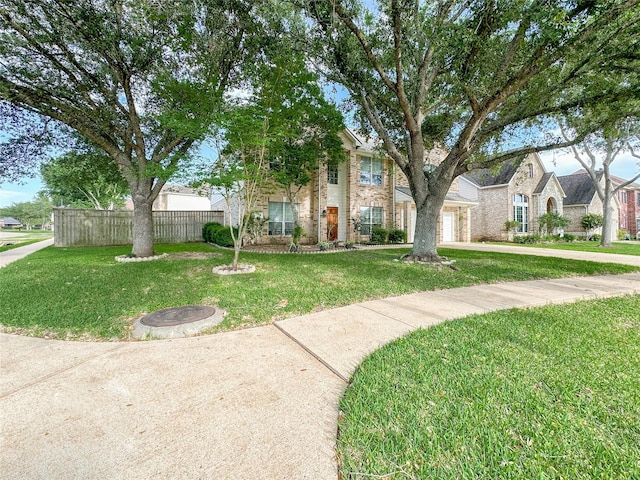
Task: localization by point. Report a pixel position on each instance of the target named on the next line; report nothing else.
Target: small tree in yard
(511, 226)
(551, 221)
(590, 222)
(240, 172)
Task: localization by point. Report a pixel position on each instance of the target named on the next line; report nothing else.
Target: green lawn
(83, 292)
(546, 393)
(18, 243)
(623, 248)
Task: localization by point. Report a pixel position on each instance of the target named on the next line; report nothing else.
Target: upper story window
(332, 174)
(371, 171)
(521, 212)
(530, 172)
(638, 198)
(623, 197)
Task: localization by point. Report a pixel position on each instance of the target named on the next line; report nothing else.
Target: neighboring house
(177, 197)
(10, 222)
(629, 202)
(582, 199)
(367, 187)
(521, 189)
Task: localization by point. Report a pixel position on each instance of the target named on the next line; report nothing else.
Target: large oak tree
(480, 77)
(140, 79)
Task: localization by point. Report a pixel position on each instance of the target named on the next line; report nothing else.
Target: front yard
(84, 293)
(545, 393)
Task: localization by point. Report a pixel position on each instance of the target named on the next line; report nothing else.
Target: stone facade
(496, 191)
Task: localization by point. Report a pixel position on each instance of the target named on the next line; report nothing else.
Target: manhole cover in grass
(170, 317)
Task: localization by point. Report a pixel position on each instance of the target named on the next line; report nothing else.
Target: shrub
(379, 235)
(527, 239)
(323, 246)
(568, 237)
(397, 236)
(223, 238)
(595, 237)
(208, 230)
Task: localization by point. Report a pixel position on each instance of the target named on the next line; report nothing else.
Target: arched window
(521, 212)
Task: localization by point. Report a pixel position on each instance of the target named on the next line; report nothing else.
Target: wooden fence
(75, 227)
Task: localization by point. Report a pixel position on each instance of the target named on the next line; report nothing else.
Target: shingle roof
(10, 221)
(579, 188)
(485, 177)
(451, 196)
(543, 182)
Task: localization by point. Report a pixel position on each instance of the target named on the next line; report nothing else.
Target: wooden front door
(332, 223)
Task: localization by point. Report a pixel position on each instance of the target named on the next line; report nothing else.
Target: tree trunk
(605, 239)
(142, 226)
(426, 231)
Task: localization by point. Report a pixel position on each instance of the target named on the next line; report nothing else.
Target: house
(10, 222)
(178, 197)
(629, 202)
(520, 189)
(582, 199)
(367, 190)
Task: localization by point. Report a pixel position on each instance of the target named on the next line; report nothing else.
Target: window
(371, 217)
(638, 198)
(623, 221)
(370, 171)
(530, 170)
(332, 174)
(623, 197)
(521, 212)
(280, 218)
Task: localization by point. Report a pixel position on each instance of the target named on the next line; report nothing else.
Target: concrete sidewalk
(258, 403)
(9, 256)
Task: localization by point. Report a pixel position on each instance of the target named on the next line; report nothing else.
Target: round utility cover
(170, 317)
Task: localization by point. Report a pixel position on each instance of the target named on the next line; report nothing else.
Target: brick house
(368, 186)
(629, 202)
(520, 190)
(582, 199)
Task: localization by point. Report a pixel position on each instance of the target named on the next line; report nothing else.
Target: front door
(332, 223)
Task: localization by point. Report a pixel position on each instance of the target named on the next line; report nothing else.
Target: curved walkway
(258, 403)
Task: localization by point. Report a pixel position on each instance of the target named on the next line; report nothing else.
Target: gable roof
(10, 221)
(579, 188)
(452, 197)
(485, 177)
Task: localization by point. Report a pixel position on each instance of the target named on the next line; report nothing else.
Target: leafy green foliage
(379, 235)
(551, 221)
(397, 235)
(86, 179)
(37, 211)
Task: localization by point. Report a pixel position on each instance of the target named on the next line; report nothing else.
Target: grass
(545, 393)
(623, 248)
(83, 292)
(19, 243)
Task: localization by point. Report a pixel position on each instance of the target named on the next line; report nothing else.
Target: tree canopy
(142, 80)
(84, 179)
(482, 78)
